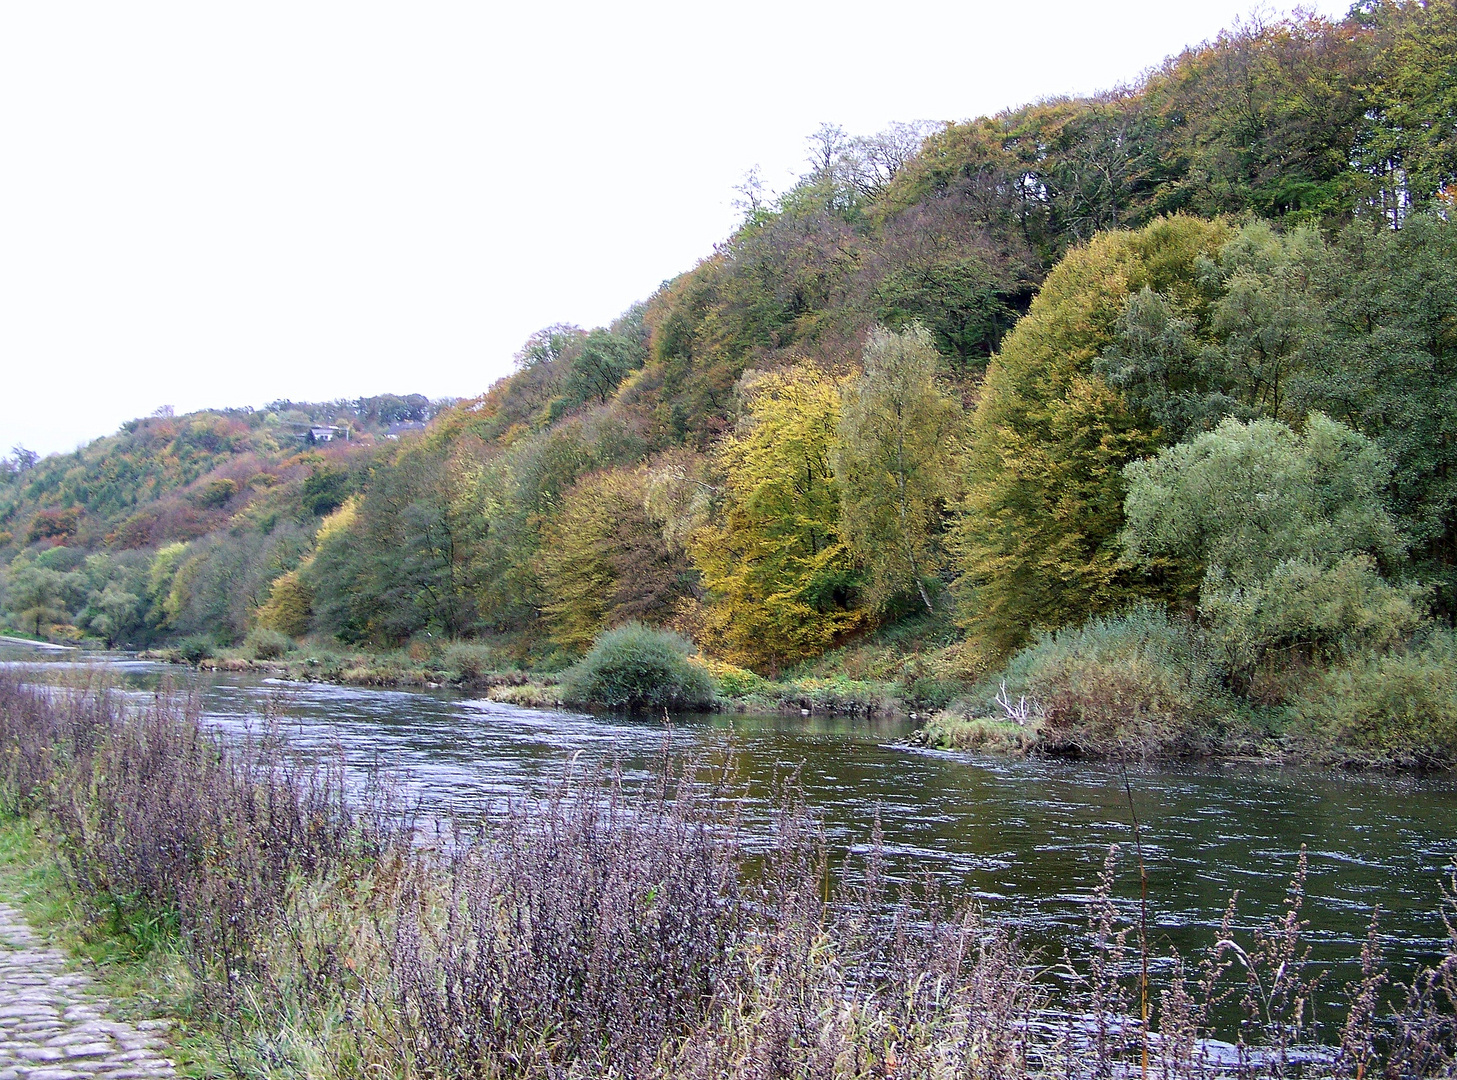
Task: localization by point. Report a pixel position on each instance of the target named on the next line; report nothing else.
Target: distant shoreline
(43, 646)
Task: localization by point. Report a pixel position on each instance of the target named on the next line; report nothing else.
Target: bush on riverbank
(1140, 684)
(601, 931)
(266, 644)
(636, 667)
(196, 648)
(1400, 707)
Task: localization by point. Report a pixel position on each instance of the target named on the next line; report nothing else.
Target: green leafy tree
(1383, 359)
(1172, 377)
(1247, 497)
(39, 596)
(1408, 146)
(598, 365)
(1266, 313)
(421, 523)
(324, 490)
(160, 573)
(961, 301)
(895, 465)
(1284, 532)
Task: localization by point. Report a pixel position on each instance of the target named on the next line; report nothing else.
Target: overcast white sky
(207, 204)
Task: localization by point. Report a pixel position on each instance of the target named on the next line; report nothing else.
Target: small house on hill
(326, 433)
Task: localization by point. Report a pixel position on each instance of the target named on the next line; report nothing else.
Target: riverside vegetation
(1118, 425)
(604, 931)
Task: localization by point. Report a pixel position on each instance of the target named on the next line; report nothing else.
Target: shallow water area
(1028, 837)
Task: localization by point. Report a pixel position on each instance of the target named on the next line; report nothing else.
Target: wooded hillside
(944, 378)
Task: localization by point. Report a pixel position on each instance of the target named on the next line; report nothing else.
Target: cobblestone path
(52, 1021)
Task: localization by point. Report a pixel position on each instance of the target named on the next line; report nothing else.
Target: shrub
(1400, 708)
(636, 667)
(1303, 611)
(732, 682)
(980, 733)
(195, 648)
(468, 660)
(217, 493)
(1138, 683)
(266, 644)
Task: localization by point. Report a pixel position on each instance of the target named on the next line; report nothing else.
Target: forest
(1123, 424)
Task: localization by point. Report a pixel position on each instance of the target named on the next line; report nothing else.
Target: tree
(782, 584)
(1244, 498)
(160, 573)
(603, 562)
(1408, 146)
(1170, 375)
(116, 613)
(894, 463)
(341, 577)
(324, 490)
(1383, 359)
(870, 162)
(958, 298)
(1037, 535)
(598, 365)
(1265, 313)
(38, 595)
(548, 345)
(290, 606)
(1284, 533)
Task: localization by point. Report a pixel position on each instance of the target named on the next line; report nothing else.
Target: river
(1028, 837)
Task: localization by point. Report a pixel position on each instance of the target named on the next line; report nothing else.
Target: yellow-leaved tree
(1039, 526)
(604, 562)
(781, 583)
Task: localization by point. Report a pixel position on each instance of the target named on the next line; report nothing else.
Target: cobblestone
(53, 1022)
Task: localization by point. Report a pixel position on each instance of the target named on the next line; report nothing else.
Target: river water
(1028, 837)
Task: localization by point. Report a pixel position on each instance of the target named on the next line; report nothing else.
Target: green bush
(1303, 611)
(266, 644)
(636, 667)
(1137, 684)
(1400, 708)
(468, 660)
(196, 647)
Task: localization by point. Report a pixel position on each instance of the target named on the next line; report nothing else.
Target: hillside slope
(910, 409)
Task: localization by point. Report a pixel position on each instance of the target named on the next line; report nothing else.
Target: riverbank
(1139, 686)
(737, 690)
(980, 720)
(629, 922)
(36, 643)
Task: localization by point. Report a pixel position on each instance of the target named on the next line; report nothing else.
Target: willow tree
(895, 465)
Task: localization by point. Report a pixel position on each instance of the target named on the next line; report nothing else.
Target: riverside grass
(603, 931)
